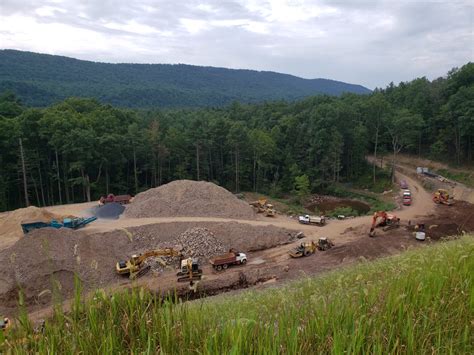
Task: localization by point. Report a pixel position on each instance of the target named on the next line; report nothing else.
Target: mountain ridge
(43, 79)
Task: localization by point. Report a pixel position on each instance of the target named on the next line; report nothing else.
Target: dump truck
(406, 197)
(72, 223)
(231, 258)
(135, 267)
(110, 198)
(316, 220)
(304, 249)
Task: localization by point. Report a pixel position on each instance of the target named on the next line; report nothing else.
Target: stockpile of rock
(198, 242)
(188, 198)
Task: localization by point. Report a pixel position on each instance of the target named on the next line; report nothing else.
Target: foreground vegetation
(416, 303)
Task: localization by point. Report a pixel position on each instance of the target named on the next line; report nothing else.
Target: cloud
(366, 42)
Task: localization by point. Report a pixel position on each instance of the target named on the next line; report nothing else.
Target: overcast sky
(369, 42)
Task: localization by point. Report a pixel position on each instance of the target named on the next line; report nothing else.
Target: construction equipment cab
(442, 197)
(304, 249)
(135, 266)
(5, 324)
(189, 270)
(385, 220)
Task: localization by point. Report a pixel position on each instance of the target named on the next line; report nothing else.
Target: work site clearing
(202, 221)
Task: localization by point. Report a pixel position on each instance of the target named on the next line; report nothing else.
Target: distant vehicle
(407, 197)
(307, 219)
(122, 199)
(403, 184)
(231, 258)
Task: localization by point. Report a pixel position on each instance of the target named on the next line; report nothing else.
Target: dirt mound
(188, 198)
(10, 222)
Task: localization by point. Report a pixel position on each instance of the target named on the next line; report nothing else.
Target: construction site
(198, 239)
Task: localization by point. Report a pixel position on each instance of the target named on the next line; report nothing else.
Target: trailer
(224, 261)
(317, 220)
(72, 223)
(110, 198)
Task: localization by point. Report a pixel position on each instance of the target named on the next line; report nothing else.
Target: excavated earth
(188, 198)
(43, 263)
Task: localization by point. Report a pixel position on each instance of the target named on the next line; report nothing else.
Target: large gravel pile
(200, 243)
(188, 198)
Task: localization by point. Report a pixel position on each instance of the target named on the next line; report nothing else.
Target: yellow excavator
(136, 267)
(261, 206)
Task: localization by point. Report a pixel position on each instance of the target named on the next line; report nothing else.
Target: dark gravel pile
(108, 211)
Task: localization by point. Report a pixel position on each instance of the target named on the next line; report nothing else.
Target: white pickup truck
(307, 219)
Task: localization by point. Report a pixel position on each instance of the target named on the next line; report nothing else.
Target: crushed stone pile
(188, 198)
(201, 243)
(108, 211)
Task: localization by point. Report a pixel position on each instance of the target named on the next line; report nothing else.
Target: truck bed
(223, 259)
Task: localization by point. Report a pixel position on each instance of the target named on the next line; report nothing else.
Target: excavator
(442, 197)
(383, 219)
(135, 266)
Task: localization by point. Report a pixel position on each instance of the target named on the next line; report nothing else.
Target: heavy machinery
(231, 258)
(383, 219)
(261, 206)
(324, 244)
(316, 220)
(122, 199)
(72, 223)
(136, 267)
(5, 324)
(304, 249)
(442, 197)
(189, 271)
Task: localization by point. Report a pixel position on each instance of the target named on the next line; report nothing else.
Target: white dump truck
(317, 220)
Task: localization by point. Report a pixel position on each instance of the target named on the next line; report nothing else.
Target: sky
(367, 42)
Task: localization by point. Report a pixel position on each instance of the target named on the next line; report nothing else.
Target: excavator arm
(134, 266)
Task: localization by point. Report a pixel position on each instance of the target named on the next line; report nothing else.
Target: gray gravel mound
(188, 198)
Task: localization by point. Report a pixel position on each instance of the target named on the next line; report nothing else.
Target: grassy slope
(418, 302)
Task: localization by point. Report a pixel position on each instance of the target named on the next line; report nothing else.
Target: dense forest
(41, 80)
(79, 148)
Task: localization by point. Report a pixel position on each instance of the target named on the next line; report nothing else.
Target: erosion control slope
(188, 198)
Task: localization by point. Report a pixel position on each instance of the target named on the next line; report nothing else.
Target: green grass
(419, 302)
(458, 176)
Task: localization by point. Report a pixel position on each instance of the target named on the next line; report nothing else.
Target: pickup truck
(224, 261)
(307, 219)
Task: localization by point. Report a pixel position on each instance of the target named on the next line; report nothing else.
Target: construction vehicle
(231, 258)
(136, 267)
(110, 198)
(261, 206)
(5, 324)
(189, 271)
(316, 220)
(72, 223)
(383, 219)
(442, 197)
(324, 244)
(420, 233)
(304, 249)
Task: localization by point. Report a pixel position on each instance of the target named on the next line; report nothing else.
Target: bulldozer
(441, 196)
(135, 266)
(324, 244)
(383, 219)
(304, 249)
(261, 206)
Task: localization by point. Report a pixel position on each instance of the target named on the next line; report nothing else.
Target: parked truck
(231, 258)
(317, 220)
(110, 198)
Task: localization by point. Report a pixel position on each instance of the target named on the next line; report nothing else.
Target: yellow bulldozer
(261, 206)
(136, 267)
(442, 197)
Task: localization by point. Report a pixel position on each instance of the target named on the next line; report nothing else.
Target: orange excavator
(383, 219)
(442, 197)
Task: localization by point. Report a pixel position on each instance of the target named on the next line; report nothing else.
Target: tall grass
(416, 303)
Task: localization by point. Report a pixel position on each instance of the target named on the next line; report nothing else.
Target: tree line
(80, 149)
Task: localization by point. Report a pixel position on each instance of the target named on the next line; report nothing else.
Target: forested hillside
(78, 149)
(41, 80)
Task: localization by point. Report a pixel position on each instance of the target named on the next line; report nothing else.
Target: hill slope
(40, 80)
